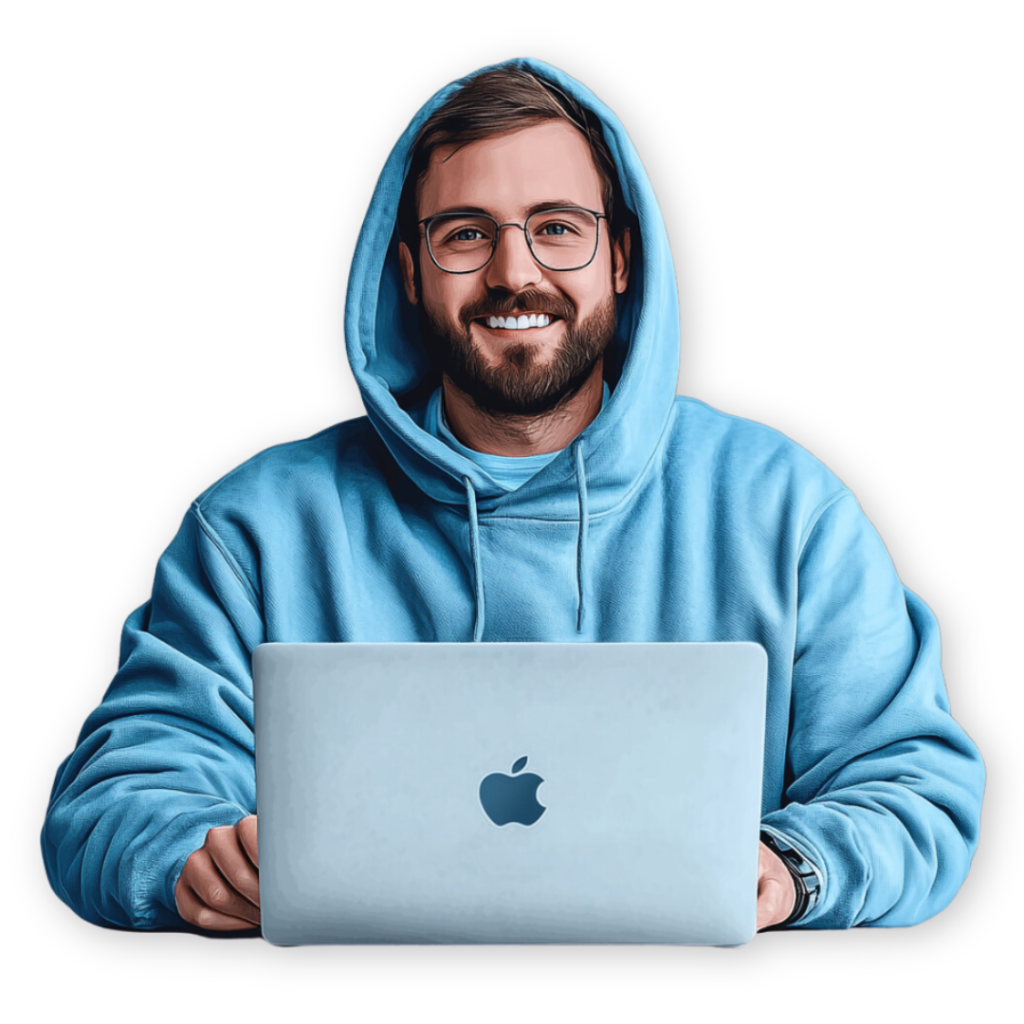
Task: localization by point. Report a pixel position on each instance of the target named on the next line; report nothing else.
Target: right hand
(219, 887)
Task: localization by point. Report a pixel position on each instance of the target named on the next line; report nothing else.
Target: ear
(408, 272)
(620, 262)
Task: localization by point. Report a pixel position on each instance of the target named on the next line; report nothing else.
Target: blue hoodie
(663, 520)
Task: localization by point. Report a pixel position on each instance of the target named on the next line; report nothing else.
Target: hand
(776, 893)
(219, 887)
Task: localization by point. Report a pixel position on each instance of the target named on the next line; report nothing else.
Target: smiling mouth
(522, 322)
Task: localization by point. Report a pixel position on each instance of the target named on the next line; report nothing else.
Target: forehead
(509, 173)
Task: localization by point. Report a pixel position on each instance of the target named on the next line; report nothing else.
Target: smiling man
(525, 471)
(518, 301)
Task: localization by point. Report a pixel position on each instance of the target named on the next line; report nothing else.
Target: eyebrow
(550, 204)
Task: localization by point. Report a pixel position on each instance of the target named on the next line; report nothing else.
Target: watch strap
(806, 881)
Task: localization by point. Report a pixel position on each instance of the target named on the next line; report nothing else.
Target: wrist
(802, 875)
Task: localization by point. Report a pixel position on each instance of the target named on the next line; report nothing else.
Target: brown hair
(495, 102)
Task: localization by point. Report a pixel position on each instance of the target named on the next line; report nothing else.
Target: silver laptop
(509, 792)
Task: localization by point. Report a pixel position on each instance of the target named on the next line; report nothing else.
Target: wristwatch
(806, 881)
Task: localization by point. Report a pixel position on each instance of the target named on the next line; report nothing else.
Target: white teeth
(513, 323)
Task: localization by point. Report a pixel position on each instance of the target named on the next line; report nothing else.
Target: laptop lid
(509, 792)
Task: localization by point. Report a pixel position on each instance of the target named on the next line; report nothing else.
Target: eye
(460, 234)
(563, 228)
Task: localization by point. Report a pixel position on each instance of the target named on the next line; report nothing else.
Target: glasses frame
(427, 221)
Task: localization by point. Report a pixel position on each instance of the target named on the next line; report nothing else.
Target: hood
(641, 365)
(597, 469)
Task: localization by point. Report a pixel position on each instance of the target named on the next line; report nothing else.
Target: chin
(505, 342)
(508, 392)
(525, 372)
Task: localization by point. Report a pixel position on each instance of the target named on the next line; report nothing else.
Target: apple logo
(512, 797)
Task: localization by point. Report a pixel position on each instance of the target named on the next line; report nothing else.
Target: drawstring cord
(581, 540)
(581, 547)
(474, 550)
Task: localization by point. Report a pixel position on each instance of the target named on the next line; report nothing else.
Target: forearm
(888, 855)
(891, 814)
(134, 799)
(114, 853)
(168, 754)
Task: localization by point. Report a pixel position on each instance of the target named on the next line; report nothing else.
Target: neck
(519, 436)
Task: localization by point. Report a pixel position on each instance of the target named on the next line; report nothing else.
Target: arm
(886, 788)
(168, 754)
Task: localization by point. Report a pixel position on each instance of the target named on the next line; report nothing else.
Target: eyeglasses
(561, 239)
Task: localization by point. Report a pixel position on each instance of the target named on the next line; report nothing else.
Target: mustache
(527, 301)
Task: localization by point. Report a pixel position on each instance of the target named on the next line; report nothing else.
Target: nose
(512, 266)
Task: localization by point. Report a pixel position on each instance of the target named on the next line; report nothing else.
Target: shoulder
(750, 463)
(285, 470)
(270, 496)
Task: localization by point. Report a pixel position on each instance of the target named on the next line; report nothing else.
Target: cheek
(445, 294)
(591, 292)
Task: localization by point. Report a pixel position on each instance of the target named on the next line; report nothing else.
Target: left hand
(776, 893)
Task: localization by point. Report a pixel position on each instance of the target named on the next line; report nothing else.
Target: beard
(519, 384)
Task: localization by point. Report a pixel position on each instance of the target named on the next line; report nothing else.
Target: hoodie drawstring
(581, 547)
(474, 550)
(581, 540)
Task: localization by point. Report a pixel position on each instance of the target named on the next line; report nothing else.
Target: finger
(213, 889)
(233, 863)
(247, 837)
(194, 911)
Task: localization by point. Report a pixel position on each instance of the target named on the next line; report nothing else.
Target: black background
(202, 207)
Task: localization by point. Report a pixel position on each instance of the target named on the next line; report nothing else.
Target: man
(525, 472)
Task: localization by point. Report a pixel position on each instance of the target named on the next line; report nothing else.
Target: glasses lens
(461, 242)
(563, 239)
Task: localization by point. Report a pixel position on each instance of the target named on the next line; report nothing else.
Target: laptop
(509, 792)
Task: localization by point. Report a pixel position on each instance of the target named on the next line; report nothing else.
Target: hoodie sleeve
(885, 791)
(168, 754)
